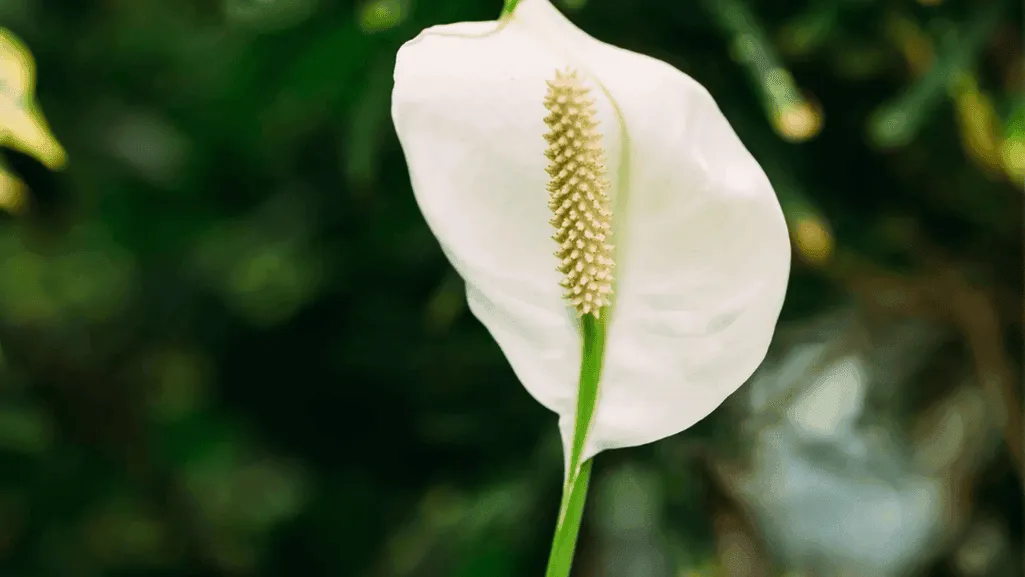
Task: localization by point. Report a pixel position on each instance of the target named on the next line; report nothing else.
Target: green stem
(587, 389)
(574, 493)
(571, 511)
(510, 5)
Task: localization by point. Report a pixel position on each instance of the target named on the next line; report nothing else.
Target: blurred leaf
(368, 125)
(267, 15)
(809, 31)
(180, 381)
(794, 118)
(1012, 148)
(897, 122)
(12, 192)
(977, 119)
(22, 125)
(25, 429)
(121, 534)
(446, 304)
(89, 278)
(262, 265)
(378, 15)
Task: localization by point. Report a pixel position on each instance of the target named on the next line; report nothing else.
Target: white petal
(468, 109)
(705, 263)
(703, 252)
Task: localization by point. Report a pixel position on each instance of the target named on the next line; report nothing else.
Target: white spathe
(702, 250)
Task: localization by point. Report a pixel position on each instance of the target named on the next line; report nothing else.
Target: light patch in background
(765, 390)
(180, 381)
(89, 278)
(240, 489)
(957, 433)
(984, 551)
(793, 116)
(573, 5)
(832, 487)
(12, 193)
(628, 519)
(262, 265)
(830, 406)
(25, 429)
(813, 239)
(120, 532)
(269, 15)
(380, 15)
(858, 515)
(17, 11)
(151, 146)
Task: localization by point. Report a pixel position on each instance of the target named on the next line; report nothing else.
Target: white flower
(699, 244)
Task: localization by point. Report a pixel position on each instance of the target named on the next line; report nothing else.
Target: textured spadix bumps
(699, 243)
(578, 194)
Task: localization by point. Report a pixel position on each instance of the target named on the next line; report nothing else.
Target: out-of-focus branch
(975, 315)
(944, 294)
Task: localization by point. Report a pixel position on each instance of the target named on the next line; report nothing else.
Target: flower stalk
(574, 491)
(510, 5)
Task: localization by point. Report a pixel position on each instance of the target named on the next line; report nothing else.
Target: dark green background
(231, 346)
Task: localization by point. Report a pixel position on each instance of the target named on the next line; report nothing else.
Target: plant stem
(574, 493)
(571, 511)
(510, 5)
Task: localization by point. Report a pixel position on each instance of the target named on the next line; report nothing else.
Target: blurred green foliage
(230, 346)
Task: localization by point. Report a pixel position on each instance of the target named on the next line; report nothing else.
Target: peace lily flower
(568, 180)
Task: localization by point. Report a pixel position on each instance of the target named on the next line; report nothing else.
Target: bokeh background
(231, 347)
